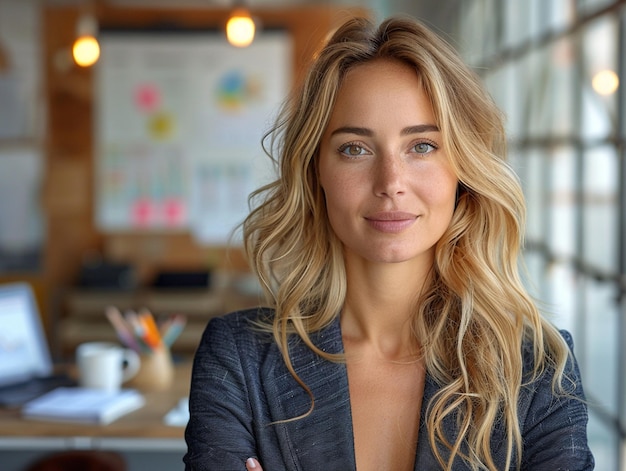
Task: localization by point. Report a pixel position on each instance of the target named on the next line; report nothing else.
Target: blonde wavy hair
(471, 321)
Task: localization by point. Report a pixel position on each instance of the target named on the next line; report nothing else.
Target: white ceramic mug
(105, 365)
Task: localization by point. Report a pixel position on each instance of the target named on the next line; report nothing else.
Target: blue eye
(424, 147)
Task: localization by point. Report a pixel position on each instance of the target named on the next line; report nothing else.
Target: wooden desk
(142, 429)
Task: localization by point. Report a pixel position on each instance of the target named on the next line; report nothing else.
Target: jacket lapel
(424, 457)
(323, 440)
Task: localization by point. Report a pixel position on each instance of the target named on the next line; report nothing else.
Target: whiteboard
(179, 121)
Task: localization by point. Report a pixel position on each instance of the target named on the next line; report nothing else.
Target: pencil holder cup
(156, 372)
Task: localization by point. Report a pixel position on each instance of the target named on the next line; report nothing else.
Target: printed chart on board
(179, 123)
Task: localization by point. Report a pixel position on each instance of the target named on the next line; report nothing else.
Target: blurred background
(121, 180)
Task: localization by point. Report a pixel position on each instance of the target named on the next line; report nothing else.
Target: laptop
(26, 368)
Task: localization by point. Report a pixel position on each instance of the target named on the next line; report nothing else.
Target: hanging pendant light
(240, 27)
(86, 50)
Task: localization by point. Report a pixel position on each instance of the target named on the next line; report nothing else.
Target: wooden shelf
(83, 318)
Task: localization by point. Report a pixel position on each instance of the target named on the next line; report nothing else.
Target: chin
(401, 254)
(396, 257)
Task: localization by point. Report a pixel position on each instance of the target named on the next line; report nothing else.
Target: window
(553, 69)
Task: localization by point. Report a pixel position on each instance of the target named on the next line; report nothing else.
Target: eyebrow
(366, 132)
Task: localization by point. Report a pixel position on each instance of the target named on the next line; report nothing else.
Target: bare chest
(385, 401)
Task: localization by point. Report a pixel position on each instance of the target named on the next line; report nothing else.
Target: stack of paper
(179, 415)
(83, 405)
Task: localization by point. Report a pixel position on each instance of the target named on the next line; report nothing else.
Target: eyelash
(344, 147)
(433, 146)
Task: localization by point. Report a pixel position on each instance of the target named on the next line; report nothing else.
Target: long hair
(472, 319)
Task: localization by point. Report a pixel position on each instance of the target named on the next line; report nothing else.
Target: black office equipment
(26, 369)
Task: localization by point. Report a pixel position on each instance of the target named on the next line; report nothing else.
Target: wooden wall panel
(68, 194)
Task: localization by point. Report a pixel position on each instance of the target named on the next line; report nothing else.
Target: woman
(399, 335)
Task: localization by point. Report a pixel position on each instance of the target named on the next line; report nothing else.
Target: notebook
(83, 405)
(26, 369)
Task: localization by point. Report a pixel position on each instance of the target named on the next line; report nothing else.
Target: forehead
(383, 68)
(379, 91)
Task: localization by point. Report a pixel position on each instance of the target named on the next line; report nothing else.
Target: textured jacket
(241, 390)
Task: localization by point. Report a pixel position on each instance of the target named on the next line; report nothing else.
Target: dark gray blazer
(240, 388)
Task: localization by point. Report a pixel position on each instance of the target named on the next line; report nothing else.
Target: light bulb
(605, 82)
(240, 28)
(86, 51)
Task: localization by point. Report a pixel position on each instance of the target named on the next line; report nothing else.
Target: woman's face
(390, 191)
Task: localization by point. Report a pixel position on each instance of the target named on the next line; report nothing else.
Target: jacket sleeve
(555, 426)
(219, 433)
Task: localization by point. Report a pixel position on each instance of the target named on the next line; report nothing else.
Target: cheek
(335, 195)
(332, 184)
(445, 195)
(341, 198)
(441, 192)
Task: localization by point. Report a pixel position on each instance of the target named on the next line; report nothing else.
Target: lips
(391, 222)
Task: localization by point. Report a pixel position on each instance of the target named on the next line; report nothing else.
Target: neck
(380, 304)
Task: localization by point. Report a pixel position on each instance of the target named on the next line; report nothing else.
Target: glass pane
(549, 75)
(622, 347)
(597, 123)
(501, 85)
(526, 79)
(600, 199)
(561, 13)
(603, 443)
(539, 100)
(536, 13)
(561, 297)
(535, 196)
(517, 18)
(558, 102)
(601, 342)
(599, 80)
(477, 30)
(562, 200)
(589, 6)
(504, 86)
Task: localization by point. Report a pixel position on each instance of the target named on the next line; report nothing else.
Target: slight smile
(391, 222)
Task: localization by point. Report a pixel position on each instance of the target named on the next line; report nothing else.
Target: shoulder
(540, 388)
(568, 339)
(237, 328)
(243, 319)
(538, 392)
(243, 340)
(554, 422)
(528, 350)
(234, 346)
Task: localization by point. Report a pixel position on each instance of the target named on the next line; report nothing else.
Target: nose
(389, 176)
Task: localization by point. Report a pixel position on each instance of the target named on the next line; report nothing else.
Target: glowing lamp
(240, 28)
(86, 49)
(605, 82)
